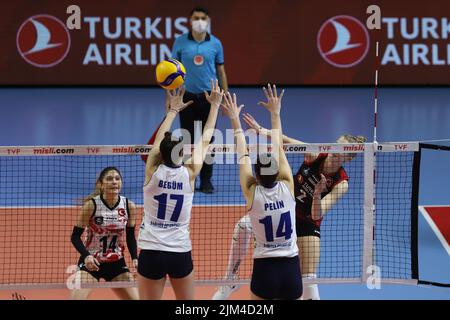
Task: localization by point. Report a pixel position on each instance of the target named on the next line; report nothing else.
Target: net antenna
(375, 118)
(370, 262)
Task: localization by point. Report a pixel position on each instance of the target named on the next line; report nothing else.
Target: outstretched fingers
(215, 85)
(266, 93)
(240, 108)
(262, 103)
(248, 119)
(228, 99)
(281, 95)
(188, 103)
(269, 89)
(182, 91)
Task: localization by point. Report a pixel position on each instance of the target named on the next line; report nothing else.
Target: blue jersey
(199, 59)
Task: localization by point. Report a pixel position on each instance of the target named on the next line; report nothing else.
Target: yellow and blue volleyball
(170, 74)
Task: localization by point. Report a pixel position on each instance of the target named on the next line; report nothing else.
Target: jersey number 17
(162, 203)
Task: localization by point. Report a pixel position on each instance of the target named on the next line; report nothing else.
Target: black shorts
(306, 228)
(277, 278)
(156, 265)
(107, 270)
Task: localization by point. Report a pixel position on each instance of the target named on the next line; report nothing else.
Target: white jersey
(273, 222)
(106, 230)
(167, 211)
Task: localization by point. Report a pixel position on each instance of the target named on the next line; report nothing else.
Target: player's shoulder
(342, 174)
(89, 206)
(130, 203)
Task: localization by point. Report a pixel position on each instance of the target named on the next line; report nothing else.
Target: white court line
(434, 227)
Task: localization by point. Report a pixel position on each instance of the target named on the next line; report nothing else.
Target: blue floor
(128, 116)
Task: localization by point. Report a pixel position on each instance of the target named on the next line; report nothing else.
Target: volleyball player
(168, 193)
(270, 205)
(319, 183)
(109, 219)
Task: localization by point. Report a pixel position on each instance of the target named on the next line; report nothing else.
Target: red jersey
(106, 230)
(305, 181)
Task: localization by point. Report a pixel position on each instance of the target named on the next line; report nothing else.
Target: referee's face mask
(199, 22)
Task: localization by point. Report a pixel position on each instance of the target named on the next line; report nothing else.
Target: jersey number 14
(112, 244)
(284, 228)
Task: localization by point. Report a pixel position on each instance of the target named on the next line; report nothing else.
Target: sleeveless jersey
(106, 230)
(167, 211)
(273, 222)
(305, 181)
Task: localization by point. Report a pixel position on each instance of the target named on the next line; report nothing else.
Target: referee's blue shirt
(207, 55)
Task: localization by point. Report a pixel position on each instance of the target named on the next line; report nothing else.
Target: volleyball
(170, 74)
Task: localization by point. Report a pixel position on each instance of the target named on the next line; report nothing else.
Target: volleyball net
(371, 231)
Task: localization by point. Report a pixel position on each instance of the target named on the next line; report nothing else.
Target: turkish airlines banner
(280, 41)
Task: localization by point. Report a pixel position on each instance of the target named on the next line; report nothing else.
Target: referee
(202, 55)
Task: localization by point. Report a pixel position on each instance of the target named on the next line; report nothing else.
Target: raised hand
(175, 98)
(215, 98)
(273, 103)
(230, 106)
(251, 122)
(321, 186)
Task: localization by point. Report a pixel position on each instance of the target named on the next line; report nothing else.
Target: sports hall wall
(291, 42)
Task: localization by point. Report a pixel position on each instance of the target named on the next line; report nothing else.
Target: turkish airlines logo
(343, 41)
(43, 41)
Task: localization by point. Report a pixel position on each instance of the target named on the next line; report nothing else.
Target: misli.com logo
(343, 41)
(43, 41)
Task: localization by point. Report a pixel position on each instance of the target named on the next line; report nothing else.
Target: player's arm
(273, 104)
(195, 163)
(176, 104)
(253, 124)
(82, 221)
(131, 237)
(246, 178)
(321, 206)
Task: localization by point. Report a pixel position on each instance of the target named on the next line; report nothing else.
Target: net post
(415, 215)
(369, 208)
